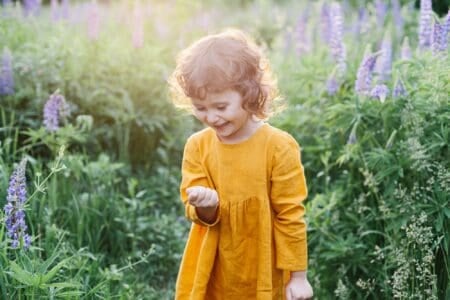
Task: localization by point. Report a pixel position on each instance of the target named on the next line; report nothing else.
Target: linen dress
(259, 235)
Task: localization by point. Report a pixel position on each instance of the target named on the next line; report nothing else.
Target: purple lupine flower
(5, 12)
(379, 91)
(405, 52)
(447, 22)
(14, 208)
(439, 41)
(138, 26)
(93, 21)
(55, 109)
(384, 63)
(380, 11)
(54, 10)
(337, 46)
(361, 23)
(6, 74)
(399, 90)
(325, 23)
(31, 7)
(301, 35)
(398, 18)
(65, 9)
(332, 85)
(425, 28)
(364, 76)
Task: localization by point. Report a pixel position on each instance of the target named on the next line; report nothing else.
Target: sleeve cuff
(299, 265)
(191, 214)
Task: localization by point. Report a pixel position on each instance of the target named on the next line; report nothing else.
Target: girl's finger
(208, 197)
(201, 193)
(203, 199)
(191, 195)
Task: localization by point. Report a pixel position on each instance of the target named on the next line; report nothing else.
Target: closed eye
(199, 108)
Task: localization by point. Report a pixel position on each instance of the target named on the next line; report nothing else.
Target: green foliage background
(104, 210)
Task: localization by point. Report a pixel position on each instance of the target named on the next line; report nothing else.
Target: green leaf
(47, 277)
(70, 294)
(62, 285)
(23, 276)
(44, 266)
(439, 223)
(447, 212)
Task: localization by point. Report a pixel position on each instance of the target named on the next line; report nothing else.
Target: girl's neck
(250, 129)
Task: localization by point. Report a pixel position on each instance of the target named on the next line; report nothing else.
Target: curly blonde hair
(219, 62)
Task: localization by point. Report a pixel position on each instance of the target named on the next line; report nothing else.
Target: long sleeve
(193, 174)
(288, 190)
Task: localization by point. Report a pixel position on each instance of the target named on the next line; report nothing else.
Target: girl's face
(223, 112)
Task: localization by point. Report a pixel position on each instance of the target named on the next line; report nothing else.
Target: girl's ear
(255, 118)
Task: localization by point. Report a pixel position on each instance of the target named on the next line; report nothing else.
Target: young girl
(242, 179)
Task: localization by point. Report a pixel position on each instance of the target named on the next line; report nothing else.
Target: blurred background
(91, 142)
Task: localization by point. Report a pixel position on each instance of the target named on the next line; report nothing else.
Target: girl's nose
(211, 118)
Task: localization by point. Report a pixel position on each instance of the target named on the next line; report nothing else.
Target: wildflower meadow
(91, 145)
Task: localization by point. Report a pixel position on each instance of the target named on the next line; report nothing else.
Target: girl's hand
(200, 196)
(298, 288)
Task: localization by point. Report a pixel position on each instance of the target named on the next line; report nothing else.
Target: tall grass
(104, 214)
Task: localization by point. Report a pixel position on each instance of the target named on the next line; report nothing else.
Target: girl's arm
(288, 191)
(200, 201)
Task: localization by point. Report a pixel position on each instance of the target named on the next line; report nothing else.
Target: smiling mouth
(220, 126)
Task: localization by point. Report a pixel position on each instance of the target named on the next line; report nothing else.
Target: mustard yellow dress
(259, 235)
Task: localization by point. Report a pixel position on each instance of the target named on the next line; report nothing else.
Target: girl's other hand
(200, 196)
(298, 288)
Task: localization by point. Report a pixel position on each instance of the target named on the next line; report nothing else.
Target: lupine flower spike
(55, 109)
(54, 8)
(405, 52)
(65, 9)
(364, 76)
(384, 63)
(381, 11)
(337, 46)
(399, 89)
(31, 7)
(325, 23)
(14, 208)
(361, 25)
(301, 35)
(332, 85)
(425, 28)
(380, 91)
(6, 74)
(439, 41)
(447, 22)
(398, 18)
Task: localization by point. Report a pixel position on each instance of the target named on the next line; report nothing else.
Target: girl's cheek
(200, 116)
